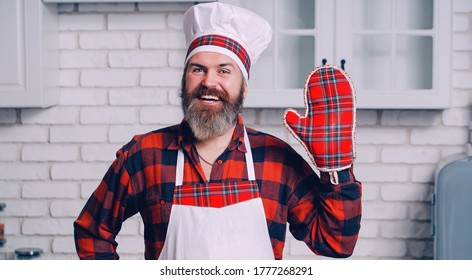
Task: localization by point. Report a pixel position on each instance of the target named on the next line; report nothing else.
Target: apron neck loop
(179, 173)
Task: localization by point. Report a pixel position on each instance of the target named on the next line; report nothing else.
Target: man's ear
(246, 89)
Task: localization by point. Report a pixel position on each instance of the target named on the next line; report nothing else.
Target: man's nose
(210, 80)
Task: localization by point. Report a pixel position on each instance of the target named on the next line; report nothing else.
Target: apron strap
(179, 172)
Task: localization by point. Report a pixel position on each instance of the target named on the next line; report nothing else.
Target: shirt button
(163, 202)
(220, 161)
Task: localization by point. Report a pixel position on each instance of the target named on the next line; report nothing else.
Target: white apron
(237, 230)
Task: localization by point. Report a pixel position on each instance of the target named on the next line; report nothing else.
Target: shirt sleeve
(326, 216)
(100, 220)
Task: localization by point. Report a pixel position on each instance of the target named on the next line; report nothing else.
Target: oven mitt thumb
(327, 128)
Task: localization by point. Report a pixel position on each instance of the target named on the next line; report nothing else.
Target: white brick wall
(121, 66)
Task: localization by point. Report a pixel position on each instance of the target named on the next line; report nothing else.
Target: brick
(164, 7)
(63, 244)
(123, 134)
(460, 23)
(177, 59)
(366, 117)
(381, 173)
(107, 115)
(52, 115)
(74, 22)
(109, 78)
(421, 249)
(456, 117)
(87, 188)
(461, 99)
(83, 97)
(103, 40)
(420, 211)
(423, 173)
(12, 226)
(409, 155)
(384, 211)
(68, 41)
(439, 137)
(138, 96)
(161, 77)
(381, 135)
(461, 42)
(68, 78)
(460, 61)
(405, 229)
(135, 59)
(366, 154)
(249, 116)
(410, 118)
(163, 40)
(130, 227)
(9, 152)
(79, 134)
(405, 192)
(49, 190)
(160, 115)
(175, 21)
(65, 8)
(453, 151)
(42, 242)
(24, 134)
(370, 191)
(271, 116)
(462, 6)
(130, 244)
(369, 229)
(7, 116)
(23, 171)
(83, 59)
(66, 208)
(78, 171)
(106, 7)
(99, 152)
(380, 248)
(26, 208)
(47, 227)
(49, 152)
(277, 131)
(9, 190)
(174, 97)
(142, 21)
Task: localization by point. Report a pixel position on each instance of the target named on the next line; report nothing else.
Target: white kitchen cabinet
(397, 52)
(29, 67)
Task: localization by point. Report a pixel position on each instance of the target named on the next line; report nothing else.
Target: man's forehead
(209, 59)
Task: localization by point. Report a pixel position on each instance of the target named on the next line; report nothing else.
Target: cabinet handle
(343, 61)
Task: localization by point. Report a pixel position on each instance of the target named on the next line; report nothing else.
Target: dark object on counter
(452, 225)
(2, 236)
(2, 206)
(28, 253)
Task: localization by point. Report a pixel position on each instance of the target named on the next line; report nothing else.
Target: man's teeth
(210, 97)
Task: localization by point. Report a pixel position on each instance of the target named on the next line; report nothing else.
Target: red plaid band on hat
(327, 129)
(215, 195)
(224, 42)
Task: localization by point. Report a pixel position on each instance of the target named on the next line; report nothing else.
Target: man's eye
(197, 70)
(224, 71)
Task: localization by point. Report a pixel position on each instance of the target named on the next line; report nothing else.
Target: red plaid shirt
(141, 180)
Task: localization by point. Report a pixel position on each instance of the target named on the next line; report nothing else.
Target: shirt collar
(186, 139)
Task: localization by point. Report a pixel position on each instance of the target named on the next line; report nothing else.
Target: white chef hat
(230, 30)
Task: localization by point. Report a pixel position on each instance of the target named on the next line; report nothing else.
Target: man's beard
(208, 122)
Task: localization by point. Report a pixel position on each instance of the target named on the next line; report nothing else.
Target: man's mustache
(202, 91)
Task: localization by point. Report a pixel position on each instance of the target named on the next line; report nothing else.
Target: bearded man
(210, 188)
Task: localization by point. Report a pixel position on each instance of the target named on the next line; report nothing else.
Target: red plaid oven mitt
(327, 128)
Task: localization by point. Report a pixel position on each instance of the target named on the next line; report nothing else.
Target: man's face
(213, 91)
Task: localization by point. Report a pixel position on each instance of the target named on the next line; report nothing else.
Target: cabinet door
(28, 60)
(397, 51)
